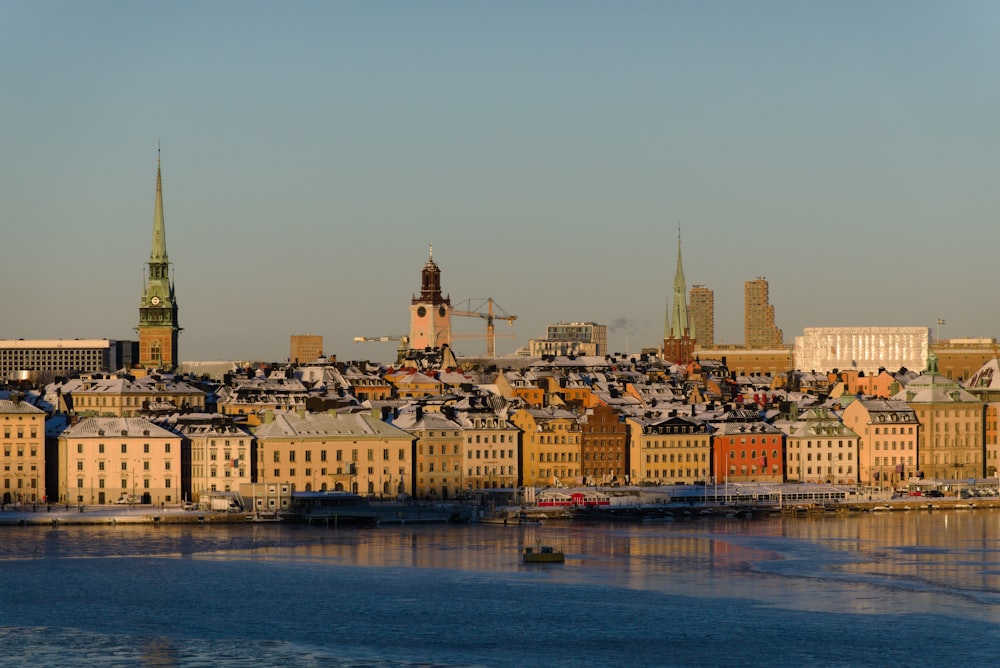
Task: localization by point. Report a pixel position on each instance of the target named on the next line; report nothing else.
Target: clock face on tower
(421, 312)
(155, 301)
(441, 311)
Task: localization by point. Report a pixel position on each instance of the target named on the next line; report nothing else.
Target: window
(145, 448)
(124, 448)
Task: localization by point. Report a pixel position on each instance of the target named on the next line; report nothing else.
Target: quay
(56, 515)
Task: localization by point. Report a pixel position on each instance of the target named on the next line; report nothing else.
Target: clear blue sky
(848, 151)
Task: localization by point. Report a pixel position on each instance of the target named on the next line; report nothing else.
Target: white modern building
(867, 349)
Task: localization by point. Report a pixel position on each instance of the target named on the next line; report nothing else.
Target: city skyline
(547, 150)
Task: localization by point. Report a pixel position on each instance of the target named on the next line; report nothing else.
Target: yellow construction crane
(404, 343)
(492, 312)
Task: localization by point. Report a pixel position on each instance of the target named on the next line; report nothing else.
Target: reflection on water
(394, 596)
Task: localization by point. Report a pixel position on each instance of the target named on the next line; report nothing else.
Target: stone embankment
(74, 515)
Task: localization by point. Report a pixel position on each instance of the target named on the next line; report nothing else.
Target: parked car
(934, 493)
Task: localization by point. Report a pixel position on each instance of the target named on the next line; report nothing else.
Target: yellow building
(550, 446)
(22, 445)
(490, 450)
(353, 452)
(439, 443)
(888, 439)
(819, 448)
(221, 452)
(951, 440)
(667, 450)
(124, 397)
(111, 459)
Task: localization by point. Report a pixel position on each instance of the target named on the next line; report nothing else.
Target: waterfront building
(679, 336)
(985, 384)
(759, 330)
(819, 448)
(701, 312)
(951, 440)
(992, 445)
(603, 446)
(868, 349)
(571, 339)
(491, 449)
(158, 328)
(430, 311)
(438, 460)
(669, 449)
(305, 348)
(106, 459)
(40, 361)
(130, 397)
(888, 439)
(550, 446)
(22, 446)
(745, 449)
(216, 454)
(352, 452)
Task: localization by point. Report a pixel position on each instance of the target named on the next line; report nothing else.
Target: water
(900, 589)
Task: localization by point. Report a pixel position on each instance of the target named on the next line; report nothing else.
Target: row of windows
(145, 448)
(753, 470)
(677, 444)
(902, 446)
(556, 456)
(486, 438)
(124, 466)
(885, 430)
(167, 482)
(884, 461)
(841, 470)
(20, 432)
(339, 455)
(656, 458)
(604, 456)
(487, 470)
(19, 449)
(753, 454)
(677, 473)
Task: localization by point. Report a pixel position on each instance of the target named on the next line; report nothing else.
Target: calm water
(889, 589)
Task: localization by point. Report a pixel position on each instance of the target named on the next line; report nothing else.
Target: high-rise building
(760, 332)
(306, 348)
(158, 328)
(430, 312)
(678, 342)
(701, 313)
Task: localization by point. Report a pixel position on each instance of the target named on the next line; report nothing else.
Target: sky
(550, 151)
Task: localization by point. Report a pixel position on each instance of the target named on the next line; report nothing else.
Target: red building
(748, 452)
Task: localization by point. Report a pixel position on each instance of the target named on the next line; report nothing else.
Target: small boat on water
(543, 555)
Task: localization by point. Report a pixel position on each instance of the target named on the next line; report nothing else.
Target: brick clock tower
(430, 313)
(158, 328)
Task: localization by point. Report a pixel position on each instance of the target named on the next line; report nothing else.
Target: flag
(941, 322)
